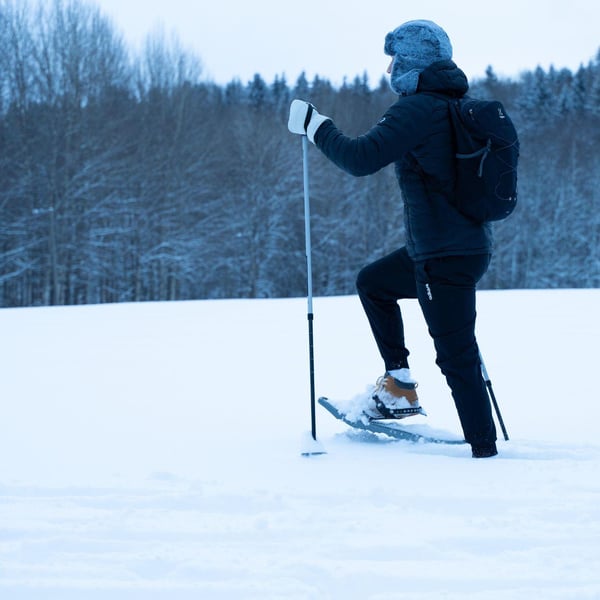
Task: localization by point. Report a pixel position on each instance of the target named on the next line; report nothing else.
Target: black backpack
(487, 153)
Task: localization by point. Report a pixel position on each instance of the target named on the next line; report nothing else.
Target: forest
(132, 177)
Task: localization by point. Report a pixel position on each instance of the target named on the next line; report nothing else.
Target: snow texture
(153, 451)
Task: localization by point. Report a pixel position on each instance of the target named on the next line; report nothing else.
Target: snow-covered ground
(154, 451)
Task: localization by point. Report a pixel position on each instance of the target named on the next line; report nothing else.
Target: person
(445, 255)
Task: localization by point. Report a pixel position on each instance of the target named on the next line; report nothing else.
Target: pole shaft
(307, 223)
(311, 359)
(310, 315)
(488, 384)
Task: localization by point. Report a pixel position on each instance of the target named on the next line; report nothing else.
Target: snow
(154, 451)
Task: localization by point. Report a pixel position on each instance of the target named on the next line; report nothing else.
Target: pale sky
(333, 39)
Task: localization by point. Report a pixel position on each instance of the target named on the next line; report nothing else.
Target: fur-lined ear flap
(404, 83)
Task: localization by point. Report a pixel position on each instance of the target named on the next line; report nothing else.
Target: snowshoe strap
(395, 413)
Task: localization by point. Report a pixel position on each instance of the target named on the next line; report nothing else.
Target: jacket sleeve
(402, 128)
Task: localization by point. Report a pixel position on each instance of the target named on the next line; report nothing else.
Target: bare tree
(126, 178)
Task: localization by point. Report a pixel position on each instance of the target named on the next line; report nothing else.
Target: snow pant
(445, 288)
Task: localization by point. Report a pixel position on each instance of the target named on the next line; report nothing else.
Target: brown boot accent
(399, 389)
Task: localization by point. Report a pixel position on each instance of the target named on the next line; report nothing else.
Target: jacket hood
(443, 77)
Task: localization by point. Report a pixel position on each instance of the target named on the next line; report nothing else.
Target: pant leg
(446, 292)
(380, 285)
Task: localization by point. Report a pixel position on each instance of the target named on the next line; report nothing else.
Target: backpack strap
(482, 151)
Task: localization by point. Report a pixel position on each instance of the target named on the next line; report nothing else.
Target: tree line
(132, 177)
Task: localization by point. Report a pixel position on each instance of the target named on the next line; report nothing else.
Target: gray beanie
(415, 45)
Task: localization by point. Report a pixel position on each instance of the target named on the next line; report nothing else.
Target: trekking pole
(315, 446)
(488, 384)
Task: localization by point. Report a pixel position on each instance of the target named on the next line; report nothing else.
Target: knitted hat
(415, 45)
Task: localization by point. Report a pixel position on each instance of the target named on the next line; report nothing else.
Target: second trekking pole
(488, 384)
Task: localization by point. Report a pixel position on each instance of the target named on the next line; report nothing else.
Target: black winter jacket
(415, 134)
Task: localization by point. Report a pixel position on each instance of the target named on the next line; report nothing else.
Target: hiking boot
(395, 397)
(484, 451)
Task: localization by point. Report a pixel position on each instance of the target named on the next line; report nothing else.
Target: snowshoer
(446, 253)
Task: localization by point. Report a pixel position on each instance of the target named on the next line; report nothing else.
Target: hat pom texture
(414, 46)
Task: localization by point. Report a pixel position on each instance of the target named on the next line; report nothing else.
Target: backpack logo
(487, 154)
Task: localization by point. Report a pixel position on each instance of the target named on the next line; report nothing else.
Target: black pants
(445, 289)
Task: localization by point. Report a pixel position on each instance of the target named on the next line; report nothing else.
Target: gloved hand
(304, 119)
